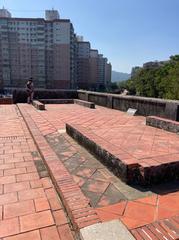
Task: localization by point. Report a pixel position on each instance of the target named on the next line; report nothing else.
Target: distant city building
(94, 72)
(101, 71)
(4, 13)
(79, 38)
(51, 15)
(108, 72)
(83, 67)
(48, 51)
(134, 71)
(37, 48)
(154, 64)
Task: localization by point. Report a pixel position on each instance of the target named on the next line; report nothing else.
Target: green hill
(119, 76)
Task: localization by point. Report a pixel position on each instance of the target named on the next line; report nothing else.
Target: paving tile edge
(77, 206)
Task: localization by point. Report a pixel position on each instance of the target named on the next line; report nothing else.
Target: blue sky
(127, 32)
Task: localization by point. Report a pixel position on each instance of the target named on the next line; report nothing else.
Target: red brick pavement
(134, 140)
(76, 203)
(142, 211)
(163, 229)
(29, 205)
(130, 133)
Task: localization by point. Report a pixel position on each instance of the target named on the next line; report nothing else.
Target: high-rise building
(37, 48)
(93, 69)
(101, 71)
(5, 13)
(83, 67)
(108, 71)
(48, 51)
(79, 38)
(59, 54)
(51, 15)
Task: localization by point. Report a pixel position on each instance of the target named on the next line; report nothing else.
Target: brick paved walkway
(163, 229)
(29, 205)
(129, 133)
(162, 202)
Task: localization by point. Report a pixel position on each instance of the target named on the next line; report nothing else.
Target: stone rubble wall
(145, 106)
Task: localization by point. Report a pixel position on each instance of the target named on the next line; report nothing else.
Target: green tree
(160, 79)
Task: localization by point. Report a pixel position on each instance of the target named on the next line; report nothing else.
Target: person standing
(30, 90)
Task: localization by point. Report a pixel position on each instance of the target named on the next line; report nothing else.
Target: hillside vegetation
(160, 81)
(119, 76)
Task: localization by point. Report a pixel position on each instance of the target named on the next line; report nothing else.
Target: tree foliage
(160, 80)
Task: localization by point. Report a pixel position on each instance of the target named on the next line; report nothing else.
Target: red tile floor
(29, 205)
(136, 208)
(124, 131)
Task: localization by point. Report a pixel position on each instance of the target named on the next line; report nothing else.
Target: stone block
(163, 123)
(84, 103)
(113, 230)
(38, 105)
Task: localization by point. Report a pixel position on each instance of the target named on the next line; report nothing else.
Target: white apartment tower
(4, 13)
(52, 15)
(83, 67)
(48, 51)
(37, 48)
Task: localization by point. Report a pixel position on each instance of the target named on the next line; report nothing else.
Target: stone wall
(163, 123)
(20, 95)
(6, 100)
(145, 106)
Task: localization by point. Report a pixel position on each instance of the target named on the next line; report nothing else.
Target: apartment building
(48, 51)
(83, 67)
(93, 77)
(4, 13)
(108, 71)
(100, 71)
(37, 48)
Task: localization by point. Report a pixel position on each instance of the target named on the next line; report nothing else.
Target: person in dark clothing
(30, 90)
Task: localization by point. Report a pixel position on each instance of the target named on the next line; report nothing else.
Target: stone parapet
(57, 101)
(145, 106)
(20, 95)
(6, 101)
(163, 123)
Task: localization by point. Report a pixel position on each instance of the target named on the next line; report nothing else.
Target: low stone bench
(163, 123)
(84, 103)
(38, 105)
(57, 101)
